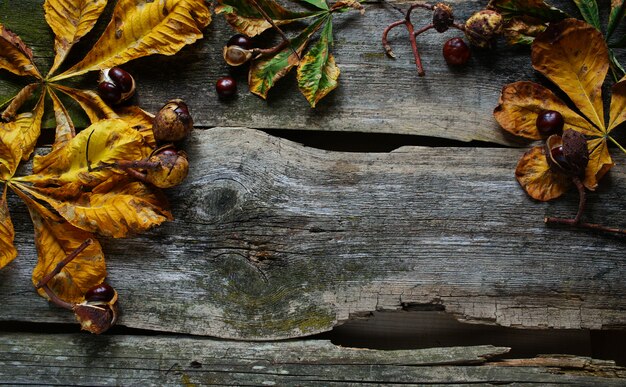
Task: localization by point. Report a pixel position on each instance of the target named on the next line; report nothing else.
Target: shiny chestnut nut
(240, 40)
(456, 52)
(483, 27)
(226, 87)
(173, 122)
(172, 168)
(103, 292)
(115, 85)
(550, 122)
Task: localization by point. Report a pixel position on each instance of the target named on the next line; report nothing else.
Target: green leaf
(244, 17)
(618, 7)
(533, 8)
(589, 11)
(317, 72)
(523, 30)
(265, 72)
(321, 4)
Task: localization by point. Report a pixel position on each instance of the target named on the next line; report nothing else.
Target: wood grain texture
(376, 93)
(275, 240)
(135, 360)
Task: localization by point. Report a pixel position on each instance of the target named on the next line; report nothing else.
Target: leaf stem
(44, 281)
(617, 143)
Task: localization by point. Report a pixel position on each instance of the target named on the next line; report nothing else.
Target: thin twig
(44, 281)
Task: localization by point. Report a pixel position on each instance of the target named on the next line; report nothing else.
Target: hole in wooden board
(389, 330)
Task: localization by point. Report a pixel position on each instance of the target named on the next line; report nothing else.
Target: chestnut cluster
(115, 85)
(481, 30)
(238, 51)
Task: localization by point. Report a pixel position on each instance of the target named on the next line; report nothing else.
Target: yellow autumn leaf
(600, 162)
(16, 102)
(90, 102)
(65, 127)
(55, 238)
(144, 27)
(139, 120)
(109, 141)
(520, 104)
(29, 125)
(10, 149)
(578, 69)
(70, 20)
(539, 181)
(617, 112)
(130, 208)
(15, 56)
(7, 233)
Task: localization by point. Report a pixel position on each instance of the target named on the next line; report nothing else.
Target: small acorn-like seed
(173, 122)
(483, 27)
(102, 292)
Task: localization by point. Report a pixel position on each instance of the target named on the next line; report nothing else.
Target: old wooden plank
(274, 240)
(141, 360)
(377, 94)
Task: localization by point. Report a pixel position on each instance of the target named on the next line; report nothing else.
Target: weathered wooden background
(274, 239)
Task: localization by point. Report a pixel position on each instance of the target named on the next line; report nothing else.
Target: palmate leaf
(55, 238)
(317, 72)
(7, 233)
(140, 120)
(244, 17)
(574, 56)
(70, 20)
(143, 27)
(15, 56)
(265, 72)
(520, 104)
(30, 126)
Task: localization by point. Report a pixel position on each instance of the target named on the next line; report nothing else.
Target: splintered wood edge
(128, 360)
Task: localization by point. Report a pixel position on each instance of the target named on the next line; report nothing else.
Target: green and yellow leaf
(534, 175)
(589, 11)
(574, 56)
(70, 21)
(7, 233)
(246, 19)
(537, 9)
(15, 56)
(600, 162)
(265, 73)
(317, 72)
(520, 104)
(523, 30)
(618, 9)
(143, 27)
(55, 238)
